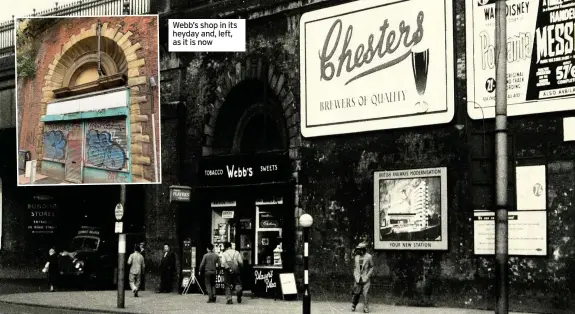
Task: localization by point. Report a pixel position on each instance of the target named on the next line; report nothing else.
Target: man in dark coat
(168, 269)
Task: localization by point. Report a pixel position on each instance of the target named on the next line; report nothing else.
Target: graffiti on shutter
(107, 144)
(54, 141)
(74, 153)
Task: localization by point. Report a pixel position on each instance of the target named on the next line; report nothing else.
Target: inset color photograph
(88, 100)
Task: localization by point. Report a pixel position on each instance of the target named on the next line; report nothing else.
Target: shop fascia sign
(376, 65)
(249, 168)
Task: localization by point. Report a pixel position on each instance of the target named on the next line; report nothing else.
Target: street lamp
(306, 221)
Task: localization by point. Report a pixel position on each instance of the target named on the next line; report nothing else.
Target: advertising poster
(411, 209)
(376, 65)
(527, 233)
(540, 51)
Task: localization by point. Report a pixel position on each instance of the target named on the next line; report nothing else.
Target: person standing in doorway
(167, 268)
(136, 262)
(362, 271)
(52, 269)
(232, 263)
(208, 267)
(143, 277)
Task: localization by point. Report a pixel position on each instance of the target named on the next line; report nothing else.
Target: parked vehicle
(92, 259)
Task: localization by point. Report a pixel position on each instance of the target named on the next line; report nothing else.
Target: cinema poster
(540, 51)
(410, 209)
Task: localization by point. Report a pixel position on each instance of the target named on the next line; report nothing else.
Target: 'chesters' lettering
(351, 58)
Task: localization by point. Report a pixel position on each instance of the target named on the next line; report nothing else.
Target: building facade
(94, 127)
(231, 131)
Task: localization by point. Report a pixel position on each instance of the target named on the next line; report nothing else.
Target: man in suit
(167, 268)
(362, 272)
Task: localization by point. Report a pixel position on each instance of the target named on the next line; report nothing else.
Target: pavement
(150, 302)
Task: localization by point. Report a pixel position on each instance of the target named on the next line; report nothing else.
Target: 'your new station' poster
(540, 50)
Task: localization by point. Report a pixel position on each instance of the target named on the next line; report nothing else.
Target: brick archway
(256, 68)
(117, 47)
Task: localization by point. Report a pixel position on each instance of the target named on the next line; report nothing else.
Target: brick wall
(136, 38)
(337, 183)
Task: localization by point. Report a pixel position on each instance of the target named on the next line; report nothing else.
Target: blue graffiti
(54, 145)
(104, 152)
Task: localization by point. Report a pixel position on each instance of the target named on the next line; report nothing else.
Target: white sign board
(531, 188)
(119, 227)
(540, 72)
(228, 214)
(119, 211)
(527, 233)
(287, 282)
(376, 65)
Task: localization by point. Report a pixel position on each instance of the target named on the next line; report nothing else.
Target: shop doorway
(74, 154)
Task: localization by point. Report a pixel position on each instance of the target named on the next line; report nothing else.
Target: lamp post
(306, 221)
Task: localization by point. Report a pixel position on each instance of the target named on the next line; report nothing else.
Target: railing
(76, 8)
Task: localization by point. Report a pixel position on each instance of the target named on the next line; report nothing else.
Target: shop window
(223, 230)
(268, 235)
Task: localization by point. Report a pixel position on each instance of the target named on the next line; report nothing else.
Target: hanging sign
(180, 193)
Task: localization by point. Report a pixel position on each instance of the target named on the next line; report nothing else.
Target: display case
(268, 258)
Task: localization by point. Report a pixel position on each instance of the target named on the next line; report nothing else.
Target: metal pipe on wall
(501, 161)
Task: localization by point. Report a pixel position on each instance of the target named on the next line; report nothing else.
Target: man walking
(362, 271)
(143, 277)
(136, 262)
(167, 268)
(232, 263)
(209, 266)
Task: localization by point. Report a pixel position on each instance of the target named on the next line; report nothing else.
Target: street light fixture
(306, 221)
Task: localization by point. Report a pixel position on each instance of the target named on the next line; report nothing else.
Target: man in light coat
(136, 262)
(362, 272)
(232, 264)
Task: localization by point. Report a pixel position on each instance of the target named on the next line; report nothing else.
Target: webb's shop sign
(244, 169)
(376, 65)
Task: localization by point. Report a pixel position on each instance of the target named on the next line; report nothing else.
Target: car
(92, 260)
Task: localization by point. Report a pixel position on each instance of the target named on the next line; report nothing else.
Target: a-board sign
(287, 282)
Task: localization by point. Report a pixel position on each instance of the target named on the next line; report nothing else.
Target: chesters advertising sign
(540, 51)
(376, 65)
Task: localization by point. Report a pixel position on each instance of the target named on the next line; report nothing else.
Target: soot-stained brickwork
(334, 175)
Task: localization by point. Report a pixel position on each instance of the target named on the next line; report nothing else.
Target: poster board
(410, 209)
(287, 283)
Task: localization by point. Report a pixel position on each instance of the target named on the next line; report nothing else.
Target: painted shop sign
(374, 58)
(244, 169)
(42, 215)
(265, 283)
(540, 51)
(410, 209)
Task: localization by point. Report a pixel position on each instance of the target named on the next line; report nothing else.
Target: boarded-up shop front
(86, 140)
